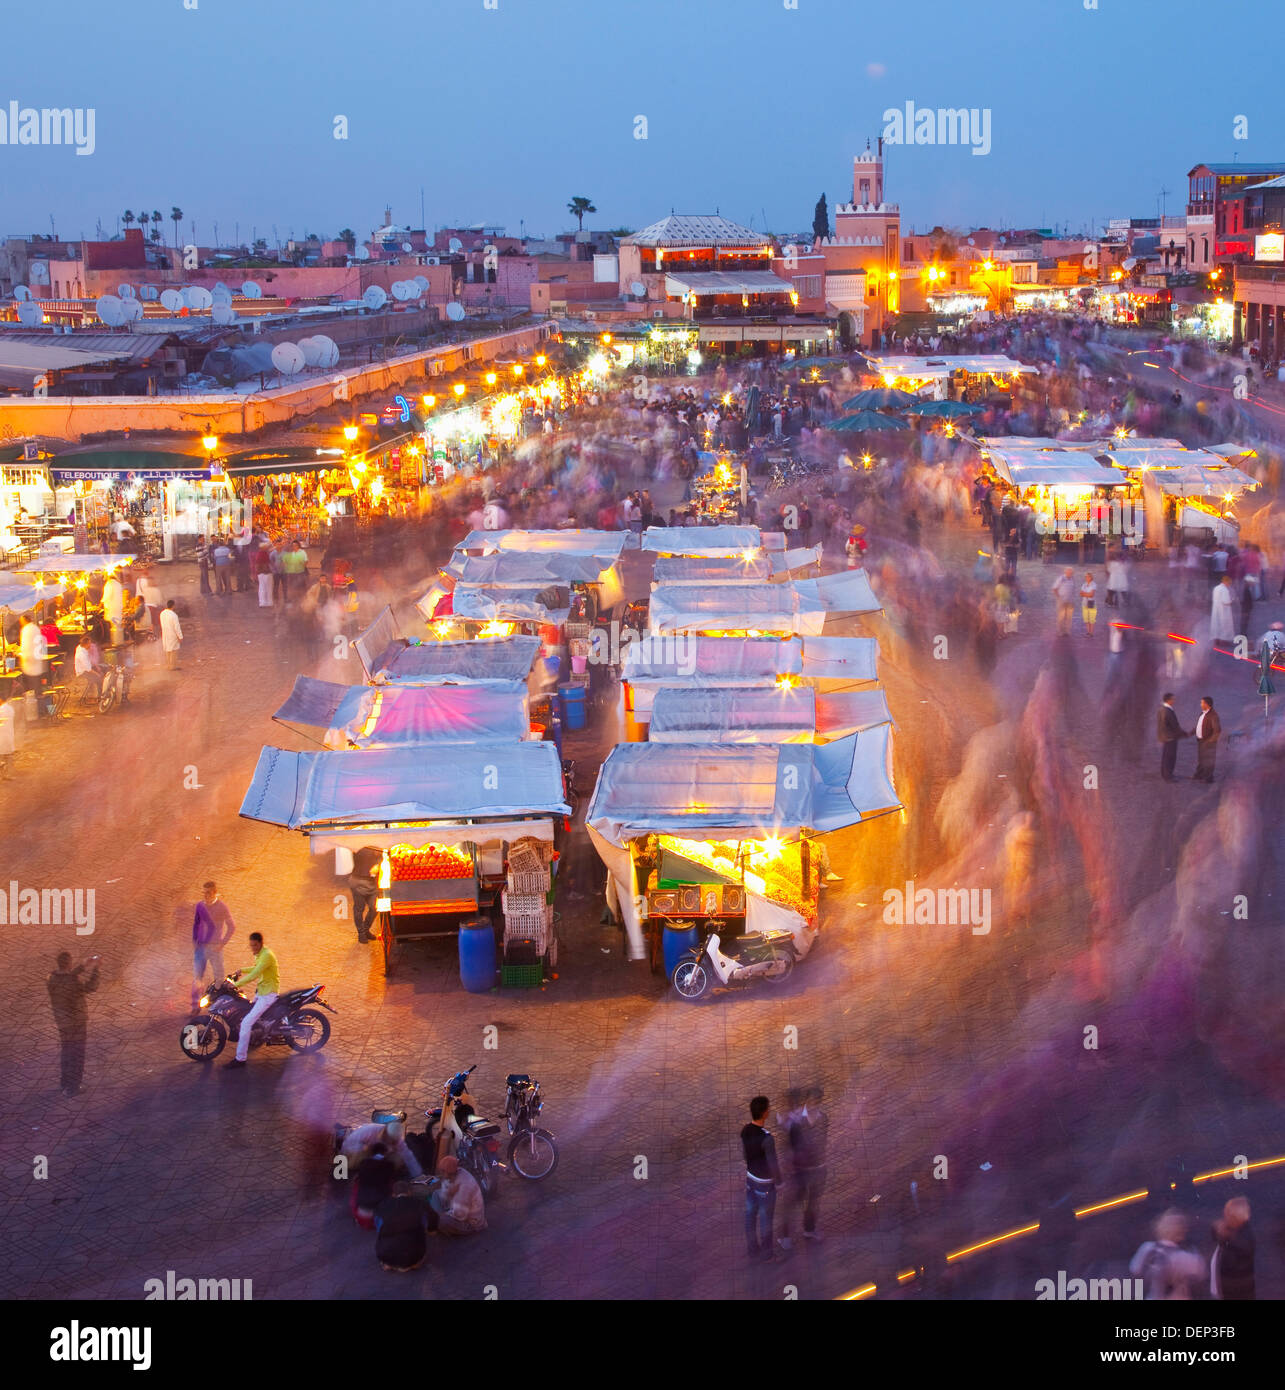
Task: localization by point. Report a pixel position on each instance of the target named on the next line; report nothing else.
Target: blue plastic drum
(677, 941)
(573, 706)
(477, 955)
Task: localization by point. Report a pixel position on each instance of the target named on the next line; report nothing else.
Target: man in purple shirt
(212, 928)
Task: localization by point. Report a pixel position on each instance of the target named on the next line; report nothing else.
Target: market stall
(708, 541)
(799, 608)
(762, 714)
(691, 833)
(388, 658)
(606, 545)
(1193, 491)
(403, 716)
(447, 824)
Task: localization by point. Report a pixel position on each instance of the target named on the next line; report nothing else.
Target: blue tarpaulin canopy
(303, 791)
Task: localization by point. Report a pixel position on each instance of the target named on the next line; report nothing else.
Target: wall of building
(72, 417)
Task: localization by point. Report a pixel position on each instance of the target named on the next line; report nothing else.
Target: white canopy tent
(733, 792)
(799, 608)
(482, 794)
(709, 541)
(712, 570)
(388, 658)
(364, 716)
(606, 545)
(762, 714)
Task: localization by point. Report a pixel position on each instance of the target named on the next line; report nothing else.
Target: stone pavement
(929, 1041)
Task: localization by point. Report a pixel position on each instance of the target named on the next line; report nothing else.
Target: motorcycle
(533, 1154)
(767, 956)
(472, 1137)
(115, 687)
(290, 1022)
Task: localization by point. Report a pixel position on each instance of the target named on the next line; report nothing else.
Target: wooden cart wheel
(386, 940)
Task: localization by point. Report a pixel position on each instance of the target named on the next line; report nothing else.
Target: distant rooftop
(690, 229)
(1242, 168)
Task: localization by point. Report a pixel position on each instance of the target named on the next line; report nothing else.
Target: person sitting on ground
(369, 1186)
(401, 1240)
(359, 1143)
(456, 1207)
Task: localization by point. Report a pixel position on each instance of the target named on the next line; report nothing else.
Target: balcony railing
(1272, 275)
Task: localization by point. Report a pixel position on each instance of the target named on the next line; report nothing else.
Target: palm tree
(176, 216)
(577, 207)
(157, 219)
(127, 217)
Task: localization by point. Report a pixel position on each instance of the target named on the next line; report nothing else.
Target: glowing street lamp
(540, 360)
(458, 388)
(350, 433)
(490, 378)
(517, 369)
(211, 442)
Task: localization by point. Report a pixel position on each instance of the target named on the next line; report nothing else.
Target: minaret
(867, 177)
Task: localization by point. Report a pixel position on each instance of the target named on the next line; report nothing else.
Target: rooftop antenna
(1164, 203)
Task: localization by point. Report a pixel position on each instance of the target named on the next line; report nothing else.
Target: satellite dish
(172, 300)
(421, 283)
(150, 293)
(403, 290)
(40, 272)
(21, 292)
(222, 313)
(312, 351)
(406, 246)
(196, 297)
(221, 288)
(490, 250)
(29, 313)
(287, 358)
(110, 310)
(125, 291)
(638, 288)
(221, 296)
(329, 351)
(1129, 263)
(374, 297)
(454, 312)
(362, 253)
(251, 290)
(133, 310)
(456, 244)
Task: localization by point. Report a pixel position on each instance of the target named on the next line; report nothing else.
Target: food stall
(388, 658)
(966, 377)
(606, 545)
(697, 833)
(447, 823)
(750, 568)
(801, 607)
(710, 541)
(403, 716)
(763, 714)
(1193, 491)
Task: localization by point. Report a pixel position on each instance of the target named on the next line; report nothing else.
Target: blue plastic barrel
(477, 955)
(677, 942)
(573, 706)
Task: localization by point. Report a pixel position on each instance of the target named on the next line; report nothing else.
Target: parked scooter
(290, 1022)
(766, 956)
(470, 1137)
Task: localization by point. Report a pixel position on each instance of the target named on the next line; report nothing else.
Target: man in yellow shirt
(263, 975)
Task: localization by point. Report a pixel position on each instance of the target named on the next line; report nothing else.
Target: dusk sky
(501, 115)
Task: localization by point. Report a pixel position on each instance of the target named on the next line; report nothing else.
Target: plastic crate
(525, 904)
(521, 976)
(529, 883)
(528, 853)
(525, 950)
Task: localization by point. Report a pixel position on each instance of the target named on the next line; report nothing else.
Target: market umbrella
(946, 410)
(880, 398)
(862, 420)
(1266, 686)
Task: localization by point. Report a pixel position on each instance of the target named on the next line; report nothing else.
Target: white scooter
(767, 956)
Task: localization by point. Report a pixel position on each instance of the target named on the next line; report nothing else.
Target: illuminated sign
(1269, 246)
(405, 408)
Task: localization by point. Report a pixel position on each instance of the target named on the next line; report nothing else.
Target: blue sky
(503, 114)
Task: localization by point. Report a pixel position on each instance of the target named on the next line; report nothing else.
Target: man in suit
(1168, 731)
(1208, 729)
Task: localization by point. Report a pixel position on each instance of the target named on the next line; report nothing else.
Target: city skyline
(757, 126)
